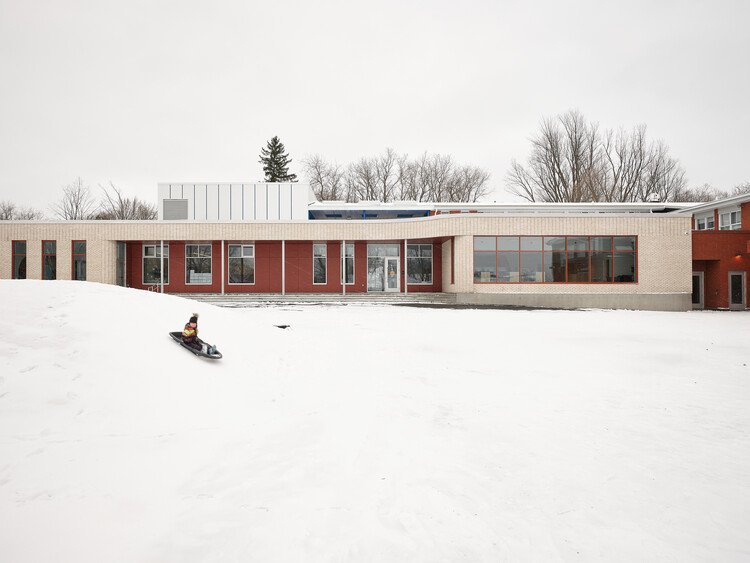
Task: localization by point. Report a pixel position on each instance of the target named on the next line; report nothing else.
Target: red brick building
(721, 253)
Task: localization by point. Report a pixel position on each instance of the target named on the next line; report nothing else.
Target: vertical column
(342, 267)
(222, 267)
(161, 266)
(406, 266)
(283, 267)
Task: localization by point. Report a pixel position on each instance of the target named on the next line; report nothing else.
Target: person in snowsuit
(190, 334)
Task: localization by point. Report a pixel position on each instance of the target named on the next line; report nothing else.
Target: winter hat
(194, 318)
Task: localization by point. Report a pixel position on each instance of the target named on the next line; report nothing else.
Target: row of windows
(241, 263)
(49, 260)
(558, 259)
(728, 221)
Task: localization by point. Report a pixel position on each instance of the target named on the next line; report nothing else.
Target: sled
(177, 337)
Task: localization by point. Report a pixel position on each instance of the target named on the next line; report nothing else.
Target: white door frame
(702, 291)
(385, 275)
(729, 292)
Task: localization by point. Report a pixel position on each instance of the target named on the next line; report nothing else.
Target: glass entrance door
(391, 274)
(737, 290)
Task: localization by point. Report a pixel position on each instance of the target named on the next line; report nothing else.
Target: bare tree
(9, 211)
(741, 189)
(362, 181)
(572, 161)
(326, 179)
(390, 176)
(76, 202)
(116, 206)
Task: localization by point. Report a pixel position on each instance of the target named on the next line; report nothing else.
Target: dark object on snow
(282, 326)
(216, 355)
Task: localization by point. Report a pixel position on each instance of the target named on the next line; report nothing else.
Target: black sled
(177, 337)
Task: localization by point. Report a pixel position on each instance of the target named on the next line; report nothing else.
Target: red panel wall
(716, 253)
(298, 269)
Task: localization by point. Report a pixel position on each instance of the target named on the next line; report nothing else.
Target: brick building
(243, 238)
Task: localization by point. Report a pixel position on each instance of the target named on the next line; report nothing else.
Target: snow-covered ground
(368, 433)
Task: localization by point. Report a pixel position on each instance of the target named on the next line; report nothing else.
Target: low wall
(636, 301)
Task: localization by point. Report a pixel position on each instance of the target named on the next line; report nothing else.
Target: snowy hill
(368, 433)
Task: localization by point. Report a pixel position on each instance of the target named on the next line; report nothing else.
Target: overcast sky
(140, 92)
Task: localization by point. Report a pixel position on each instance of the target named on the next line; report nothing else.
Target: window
(348, 263)
(730, 221)
(704, 223)
(79, 260)
(578, 259)
(152, 264)
(419, 263)
(49, 260)
(19, 259)
(241, 264)
(320, 273)
(198, 264)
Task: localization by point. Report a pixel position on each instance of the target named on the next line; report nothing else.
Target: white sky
(138, 92)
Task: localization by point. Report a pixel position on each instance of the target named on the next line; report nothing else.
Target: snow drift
(367, 433)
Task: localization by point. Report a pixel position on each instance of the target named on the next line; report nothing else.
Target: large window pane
(375, 273)
(554, 243)
(79, 268)
(484, 243)
(320, 273)
(79, 260)
(348, 277)
(554, 266)
(484, 267)
(507, 243)
(49, 260)
(419, 263)
(19, 267)
(625, 266)
(531, 266)
(578, 267)
(531, 243)
(241, 264)
(601, 243)
(579, 244)
(198, 264)
(624, 243)
(152, 264)
(507, 266)
(601, 267)
(19, 260)
(50, 267)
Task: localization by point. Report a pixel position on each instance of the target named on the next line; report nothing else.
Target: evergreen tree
(275, 162)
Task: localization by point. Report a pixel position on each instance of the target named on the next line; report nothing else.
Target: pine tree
(275, 162)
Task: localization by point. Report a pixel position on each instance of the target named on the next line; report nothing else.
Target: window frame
(566, 252)
(731, 226)
(432, 262)
(344, 258)
(314, 256)
(74, 255)
(45, 255)
(242, 245)
(199, 257)
(705, 218)
(13, 255)
(143, 257)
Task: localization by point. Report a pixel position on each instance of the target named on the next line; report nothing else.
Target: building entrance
(737, 290)
(383, 268)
